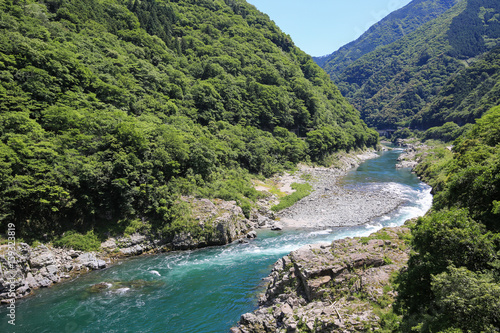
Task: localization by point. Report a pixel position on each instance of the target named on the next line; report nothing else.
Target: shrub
(77, 241)
(301, 191)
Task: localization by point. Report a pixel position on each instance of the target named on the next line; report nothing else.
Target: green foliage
(110, 110)
(446, 133)
(466, 96)
(440, 239)
(378, 235)
(473, 181)
(389, 322)
(77, 241)
(301, 191)
(232, 185)
(387, 260)
(466, 300)
(133, 226)
(451, 283)
(328, 139)
(402, 133)
(393, 27)
(434, 167)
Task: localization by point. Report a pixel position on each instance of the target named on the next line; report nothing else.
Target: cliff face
(338, 287)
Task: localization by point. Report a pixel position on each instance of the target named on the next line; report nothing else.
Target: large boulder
(217, 222)
(90, 260)
(330, 287)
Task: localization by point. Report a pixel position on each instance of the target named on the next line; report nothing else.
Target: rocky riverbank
(339, 287)
(216, 222)
(24, 269)
(333, 205)
(412, 154)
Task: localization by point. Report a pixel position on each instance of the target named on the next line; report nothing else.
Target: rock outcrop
(224, 221)
(330, 287)
(412, 155)
(25, 268)
(214, 222)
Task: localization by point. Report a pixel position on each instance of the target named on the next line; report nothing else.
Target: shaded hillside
(109, 110)
(393, 27)
(466, 96)
(393, 83)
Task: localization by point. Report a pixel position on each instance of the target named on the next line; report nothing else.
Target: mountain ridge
(391, 28)
(393, 83)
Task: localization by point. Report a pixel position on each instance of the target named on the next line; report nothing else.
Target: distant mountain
(466, 96)
(393, 27)
(393, 83)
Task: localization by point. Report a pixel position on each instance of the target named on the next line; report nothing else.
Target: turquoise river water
(204, 290)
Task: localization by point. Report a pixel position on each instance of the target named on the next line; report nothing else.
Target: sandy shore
(332, 205)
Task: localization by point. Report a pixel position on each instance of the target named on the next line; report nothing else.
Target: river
(204, 290)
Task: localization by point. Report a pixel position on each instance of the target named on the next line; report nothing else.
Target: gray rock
(42, 258)
(131, 240)
(51, 273)
(89, 260)
(318, 286)
(109, 245)
(277, 226)
(43, 266)
(74, 254)
(133, 250)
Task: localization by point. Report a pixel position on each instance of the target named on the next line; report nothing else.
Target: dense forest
(444, 79)
(452, 283)
(110, 110)
(393, 83)
(466, 96)
(391, 28)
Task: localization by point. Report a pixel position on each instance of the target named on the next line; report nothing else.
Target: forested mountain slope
(452, 283)
(466, 96)
(110, 109)
(393, 83)
(391, 28)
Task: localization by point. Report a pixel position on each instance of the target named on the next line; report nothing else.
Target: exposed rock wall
(330, 287)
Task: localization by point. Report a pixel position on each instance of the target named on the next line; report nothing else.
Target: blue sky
(320, 27)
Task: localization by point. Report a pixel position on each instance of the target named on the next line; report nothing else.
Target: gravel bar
(332, 205)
